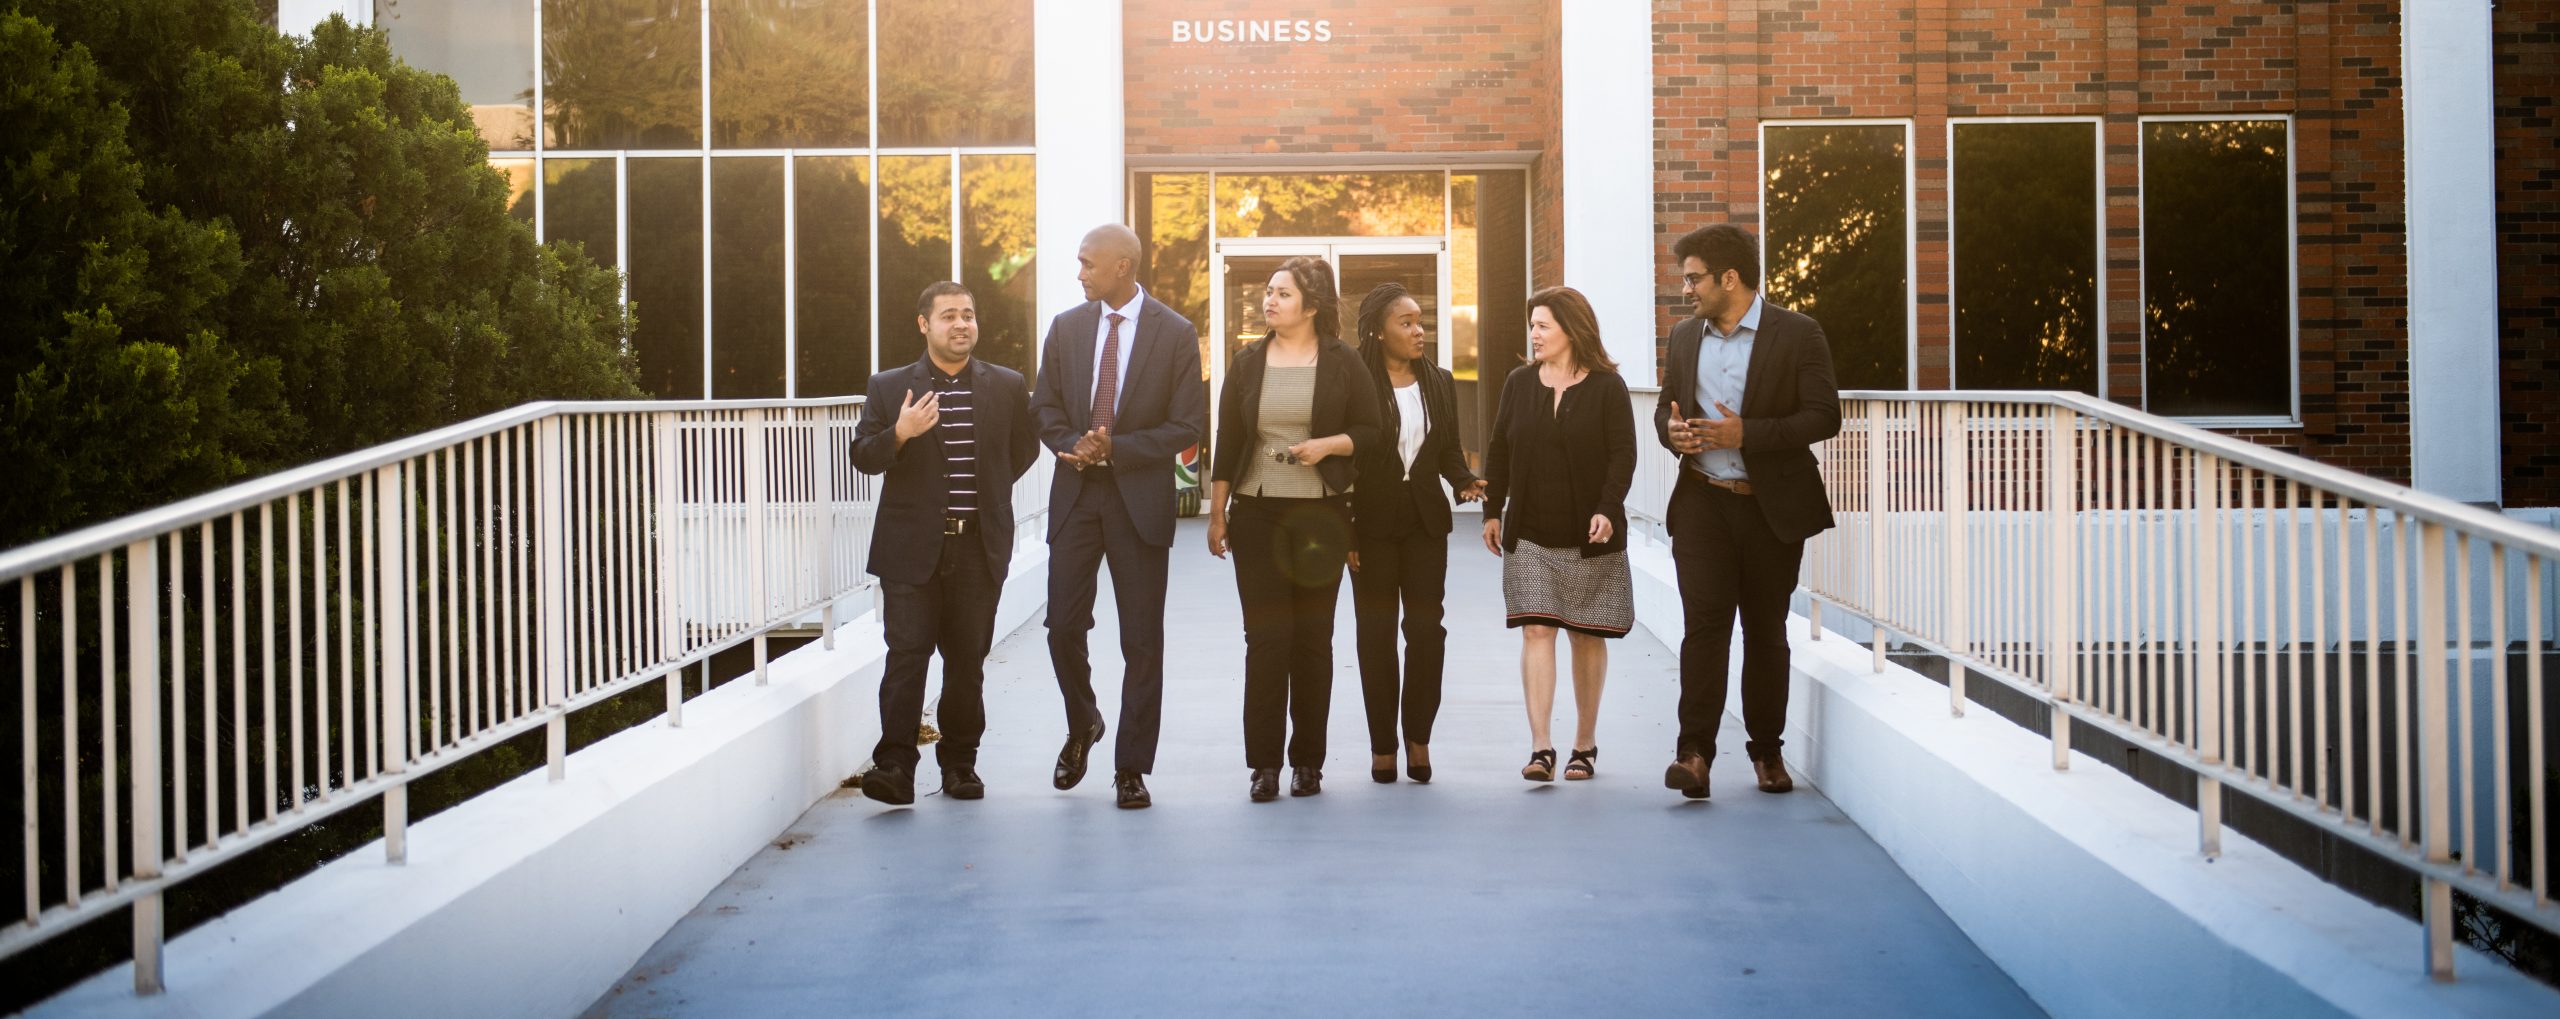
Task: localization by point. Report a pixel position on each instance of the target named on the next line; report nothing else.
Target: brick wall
(1722, 69)
(2526, 50)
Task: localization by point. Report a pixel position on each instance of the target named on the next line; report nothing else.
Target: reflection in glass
(1420, 275)
(789, 73)
(519, 174)
(666, 274)
(1464, 294)
(2217, 304)
(1247, 277)
(2026, 256)
(577, 206)
(1838, 242)
(1501, 217)
(485, 46)
(833, 337)
(1331, 204)
(996, 257)
(746, 278)
(622, 74)
(1173, 217)
(955, 72)
(915, 247)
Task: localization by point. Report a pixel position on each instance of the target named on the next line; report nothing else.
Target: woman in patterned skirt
(1558, 465)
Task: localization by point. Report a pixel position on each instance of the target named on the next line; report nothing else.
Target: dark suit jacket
(1164, 409)
(906, 532)
(1383, 480)
(1789, 402)
(1345, 405)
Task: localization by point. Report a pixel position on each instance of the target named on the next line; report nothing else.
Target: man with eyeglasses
(1748, 393)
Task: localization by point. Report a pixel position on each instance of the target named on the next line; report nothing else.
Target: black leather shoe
(1133, 790)
(1266, 785)
(961, 782)
(1071, 757)
(1306, 781)
(889, 783)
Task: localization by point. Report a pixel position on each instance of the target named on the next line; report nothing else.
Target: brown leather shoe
(1688, 774)
(1773, 776)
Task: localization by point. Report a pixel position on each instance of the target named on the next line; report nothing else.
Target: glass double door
(1242, 270)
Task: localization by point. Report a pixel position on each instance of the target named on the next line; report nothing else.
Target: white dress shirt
(1128, 338)
(1413, 422)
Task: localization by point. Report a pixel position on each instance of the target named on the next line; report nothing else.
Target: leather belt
(958, 525)
(1735, 487)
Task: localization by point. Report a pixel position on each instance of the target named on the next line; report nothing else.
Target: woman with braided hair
(1401, 524)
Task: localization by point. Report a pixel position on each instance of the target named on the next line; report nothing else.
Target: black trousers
(953, 613)
(1729, 561)
(1097, 528)
(1288, 555)
(1412, 570)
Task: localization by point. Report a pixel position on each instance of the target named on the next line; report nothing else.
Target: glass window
(996, 257)
(519, 175)
(915, 247)
(1837, 242)
(577, 206)
(1173, 216)
(2026, 256)
(1331, 204)
(2217, 251)
(1489, 293)
(955, 72)
(832, 341)
(485, 46)
(666, 274)
(746, 278)
(622, 74)
(790, 73)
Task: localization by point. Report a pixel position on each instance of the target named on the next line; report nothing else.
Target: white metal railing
(204, 678)
(2364, 656)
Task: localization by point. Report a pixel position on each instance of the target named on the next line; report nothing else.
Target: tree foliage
(229, 251)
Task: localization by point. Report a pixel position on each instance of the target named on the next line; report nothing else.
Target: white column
(1082, 157)
(1608, 174)
(299, 17)
(2453, 255)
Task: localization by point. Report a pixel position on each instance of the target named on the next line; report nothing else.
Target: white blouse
(1413, 423)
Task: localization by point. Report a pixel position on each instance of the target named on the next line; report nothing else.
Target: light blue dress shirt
(1723, 362)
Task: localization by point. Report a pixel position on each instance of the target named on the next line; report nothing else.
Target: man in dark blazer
(952, 433)
(1748, 393)
(1120, 396)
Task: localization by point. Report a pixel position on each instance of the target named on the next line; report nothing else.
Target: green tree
(231, 251)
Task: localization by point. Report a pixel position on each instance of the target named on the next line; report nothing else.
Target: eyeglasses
(1695, 280)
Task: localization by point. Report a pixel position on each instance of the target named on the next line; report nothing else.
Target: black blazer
(906, 530)
(1345, 405)
(1789, 402)
(1164, 409)
(1383, 480)
(1599, 426)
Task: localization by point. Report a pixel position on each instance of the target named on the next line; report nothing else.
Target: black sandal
(1580, 765)
(1542, 766)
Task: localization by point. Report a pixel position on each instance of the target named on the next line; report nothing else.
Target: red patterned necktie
(1106, 387)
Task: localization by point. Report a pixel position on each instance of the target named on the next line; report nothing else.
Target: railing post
(669, 519)
(2062, 595)
(2205, 479)
(142, 691)
(1955, 471)
(2434, 750)
(551, 504)
(1877, 464)
(823, 471)
(1813, 617)
(755, 496)
(392, 593)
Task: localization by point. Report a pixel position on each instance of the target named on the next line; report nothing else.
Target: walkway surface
(1478, 894)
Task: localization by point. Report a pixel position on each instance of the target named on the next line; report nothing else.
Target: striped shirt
(959, 432)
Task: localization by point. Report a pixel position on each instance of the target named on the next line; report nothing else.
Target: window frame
(2098, 204)
(2292, 265)
(1910, 221)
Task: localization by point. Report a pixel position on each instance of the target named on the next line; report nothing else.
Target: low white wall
(2085, 887)
(533, 899)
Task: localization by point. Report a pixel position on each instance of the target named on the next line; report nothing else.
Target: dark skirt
(1561, 587)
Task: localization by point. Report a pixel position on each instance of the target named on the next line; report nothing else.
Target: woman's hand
(1314, 450)
(1600, 529)
(1493, 536)
(1353, 559)
(1474, 492)
(1218, 535)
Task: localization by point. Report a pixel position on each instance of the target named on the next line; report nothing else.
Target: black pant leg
(1769, 570)
(1256, 541)
(910, 622)
(1424, 563)
(967, 632)
(1703, 557)
(1137, 590)
(1075, 565)
(1374, 592)
(1320, 535)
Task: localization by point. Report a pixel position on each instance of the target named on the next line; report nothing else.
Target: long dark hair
(1316, 293)
(1373, 349)
(1581, 326)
